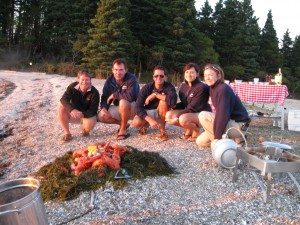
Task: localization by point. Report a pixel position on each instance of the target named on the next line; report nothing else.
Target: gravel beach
(201, 192)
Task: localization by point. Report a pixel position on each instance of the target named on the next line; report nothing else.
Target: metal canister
(21, 203)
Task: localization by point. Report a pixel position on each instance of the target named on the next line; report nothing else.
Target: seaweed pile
(58, 183)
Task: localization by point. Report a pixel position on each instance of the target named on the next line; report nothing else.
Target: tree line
(92, 33)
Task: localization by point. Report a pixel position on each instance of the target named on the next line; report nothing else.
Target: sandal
(185, 136)
(192, 139)
(85, 133)
(143, 130)
(127, 126)
(122, 136)
(67, 137)
(162, 136)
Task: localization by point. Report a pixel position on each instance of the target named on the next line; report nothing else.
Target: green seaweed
(59, 184)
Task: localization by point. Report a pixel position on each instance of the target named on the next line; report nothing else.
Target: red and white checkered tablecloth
(261, 93)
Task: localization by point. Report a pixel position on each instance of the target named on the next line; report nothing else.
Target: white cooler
(294, 120)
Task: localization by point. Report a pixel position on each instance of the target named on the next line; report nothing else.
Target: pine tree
(63, 21)
(110, 37)
(185, 43)
(182, 33)
(250, 35)
(7, 12)
(295, 67)
(286, 50)
(149, 22)
(295, 61)
(228, 38)
(269, 57)
(206, 21)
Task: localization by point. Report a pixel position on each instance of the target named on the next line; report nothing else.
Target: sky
(286, 14)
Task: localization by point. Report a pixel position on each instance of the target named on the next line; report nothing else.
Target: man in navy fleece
(229, 110)
(118, 98)
(153, 102)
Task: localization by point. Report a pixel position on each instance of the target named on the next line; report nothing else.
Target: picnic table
(262, 93)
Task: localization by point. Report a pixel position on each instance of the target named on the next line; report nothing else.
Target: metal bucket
(224, 153)
(21, 203)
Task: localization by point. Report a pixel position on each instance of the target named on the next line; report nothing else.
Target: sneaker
(67, 137)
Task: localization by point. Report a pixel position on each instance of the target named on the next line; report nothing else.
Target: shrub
(67, 69)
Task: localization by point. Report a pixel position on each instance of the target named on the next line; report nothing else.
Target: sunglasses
(156, 76)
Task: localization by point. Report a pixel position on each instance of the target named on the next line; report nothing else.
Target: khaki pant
(206, 120)
(114, 111)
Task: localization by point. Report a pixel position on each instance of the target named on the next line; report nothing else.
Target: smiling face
(119, 71)
(211, 76)
(212, 73)
(190, 75)
(159, 77)
(84, 81)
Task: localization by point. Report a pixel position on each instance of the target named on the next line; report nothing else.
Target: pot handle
(10, 211)
(19, 210)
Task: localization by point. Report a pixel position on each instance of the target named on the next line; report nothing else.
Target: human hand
(105, 114)
(76, 114)
(150, 98)
(110, 99)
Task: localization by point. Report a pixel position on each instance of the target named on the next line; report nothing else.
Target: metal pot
(224, 152)
(21, 203)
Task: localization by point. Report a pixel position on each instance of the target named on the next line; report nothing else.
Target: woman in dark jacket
(229, 110)
(193, 95)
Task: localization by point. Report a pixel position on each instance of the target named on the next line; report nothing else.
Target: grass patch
(59, 184)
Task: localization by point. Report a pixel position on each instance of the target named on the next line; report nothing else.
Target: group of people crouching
(156, 104)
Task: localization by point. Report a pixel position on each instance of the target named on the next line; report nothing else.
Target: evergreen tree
(182, 33)
(28, 28)
(63, 21)
(149, 22)
(269, 57)
(286, 50)
(7, 12)
(250, 35)
(295, 58)
(294, 80)
(228, 38)
(206, 21)
(218, 8)
(110, 37)
(185, 42)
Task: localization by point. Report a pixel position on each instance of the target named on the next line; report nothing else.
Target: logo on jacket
(124, 87)
(191, 95)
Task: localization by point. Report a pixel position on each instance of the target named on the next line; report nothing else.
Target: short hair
(83, 72)
(158, 67)
(120, 61)
(216, 68)
(191, 65)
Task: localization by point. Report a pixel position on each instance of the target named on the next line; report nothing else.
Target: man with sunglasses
(154, 100)
(118, 98)
(229, 110)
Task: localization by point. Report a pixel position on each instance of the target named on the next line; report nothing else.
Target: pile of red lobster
(97, 156)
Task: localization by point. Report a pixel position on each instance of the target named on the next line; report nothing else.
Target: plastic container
(294, 120)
